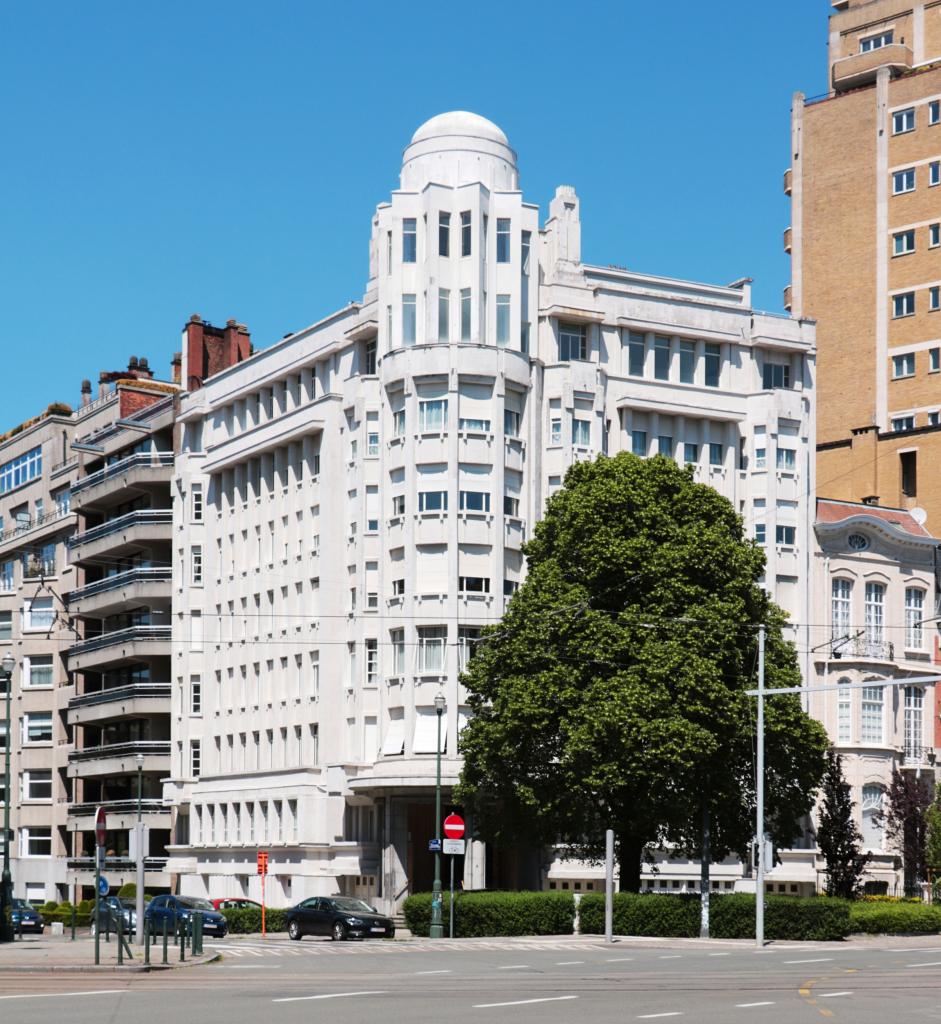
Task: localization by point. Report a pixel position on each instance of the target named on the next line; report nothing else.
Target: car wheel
(294, 931)
(339, 931)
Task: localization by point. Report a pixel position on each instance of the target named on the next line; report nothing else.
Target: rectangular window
(934, 418)
(369, 362)
(760, 533)
(665, 445)
(21, 470)
(196, 563)
(6, 625)
(903, 242)
(903, 181)
(196, 502)
(503, 320)
(465, 232)
(409, 240)
(934, 112)
(432, 501)
(914, 613)
(903, 423)
(934, 298)
(39, 614)
(661, 358)
(844, 709)
(511, 506)
(397, 636)
(444, 314)
(934, 172)
(874, 609)
(39, 670)
(913, 724)
(775, 375)
(503, 239)
(36, 785)
(444, 234)
(431, 650)
(37, 727)
(716, 453)
(409, 319)
(786, 459)
(473, 584)
(635, 354)
(573, 342)
(398, 504)
(904, 365)
(465, 314)
(433, 416)
(398, 423)
(474, 501)
(785, 535)
(934, 236)
(372, 444)
(872, 701)
(581, 432)
(875, 42)
(713, 365)
(195, 758)
(372, 661)
(841, 593)
(908, 466)
(474, 426)
(512, 422)
(6, 575)
(903, 121)
(555, 421)
(36, 841)
(687, 362)
(196, 695)
(690, 453)
(934, 360)
(639, 443)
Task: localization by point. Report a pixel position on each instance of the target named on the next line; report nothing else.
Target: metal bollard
(165, 940)
(146, 933)
(117, 932)
(107, 924)
(198, 935)
(182, 940)
(73, 922)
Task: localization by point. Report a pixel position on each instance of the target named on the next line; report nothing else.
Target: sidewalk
(58, 953)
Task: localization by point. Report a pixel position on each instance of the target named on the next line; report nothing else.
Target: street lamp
(139, 895)
(437, 926)
(6, 883)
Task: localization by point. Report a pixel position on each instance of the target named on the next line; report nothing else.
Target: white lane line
(832, 995)
(747, 1006)
(432, 972)
(936, 963)
(915, 949)
(329, 995)
(674, 956)
(720, 954)
(62, 995)
(523, 1002)
(619, 959)
(651, 1016)
(568, 963)
(819, 960)
(514, 967)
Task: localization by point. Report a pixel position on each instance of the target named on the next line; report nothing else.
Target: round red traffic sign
(454, 826)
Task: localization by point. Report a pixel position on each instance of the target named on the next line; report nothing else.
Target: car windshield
(21, 905)
(349, 905)
(193, 903)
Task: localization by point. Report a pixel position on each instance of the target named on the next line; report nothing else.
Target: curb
(107, 968)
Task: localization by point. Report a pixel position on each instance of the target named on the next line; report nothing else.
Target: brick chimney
(209, 350)
(86, 392)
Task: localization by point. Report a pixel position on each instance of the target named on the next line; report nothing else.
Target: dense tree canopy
(838, 838)
(612, 694)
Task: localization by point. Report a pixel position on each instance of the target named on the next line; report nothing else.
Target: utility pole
(6, 880)
(760, 798)
(139, 894)
(436, 930)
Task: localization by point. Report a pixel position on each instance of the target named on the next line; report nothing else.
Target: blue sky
(225, 157)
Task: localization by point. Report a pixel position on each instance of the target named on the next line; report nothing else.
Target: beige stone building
(865, 243)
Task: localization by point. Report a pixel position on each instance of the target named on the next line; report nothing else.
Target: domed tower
(459, 148)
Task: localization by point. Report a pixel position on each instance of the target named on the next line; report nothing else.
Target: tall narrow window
(369, 358)
(465, 232)
(873, 828)
(465, 314)
(397, 636)
(908, 465)
(431, 649)
(914, 724)
(872, 706)
(874, 609)
(444, 314)
(639, 443)
(409, 240)
(661, 358)
(841, 592)
(573, 342)
(844, 712)
(444, 234)
(914, 611)
(503, 320)
(195, 758)
(687, 362)
(372, 661)
(713, 365)
(503, 239)
(196, 502)
(408, 320)
(635, 354)
(197, 563)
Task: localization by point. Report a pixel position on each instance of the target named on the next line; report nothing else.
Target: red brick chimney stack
(208, 350)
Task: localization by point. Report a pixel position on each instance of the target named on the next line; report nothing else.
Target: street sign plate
(100, 856)
(454, 826)
(434, 846)
(104, 886)
(455, 847)
(262, 862)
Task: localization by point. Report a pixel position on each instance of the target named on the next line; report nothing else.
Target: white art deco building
(352, 502)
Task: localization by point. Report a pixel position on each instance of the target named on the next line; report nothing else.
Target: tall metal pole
(436, 931)
(6, 881)
(609, 885)
(760, 799)
(139, 895)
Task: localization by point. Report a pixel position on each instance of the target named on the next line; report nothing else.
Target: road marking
(61, 995)
(832, 995)
(432, 972)
(936, 963)
(819, 960)
(523, 1002)
(619, 959)
(720, 954)
(915, 949)
(329, 995)
(568, 963)
(514, 967)
(650, 1016)
(674, 956)
(746, 1006)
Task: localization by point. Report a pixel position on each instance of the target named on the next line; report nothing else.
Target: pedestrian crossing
(279, 948)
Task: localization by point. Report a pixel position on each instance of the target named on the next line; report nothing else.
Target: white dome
(460, 122)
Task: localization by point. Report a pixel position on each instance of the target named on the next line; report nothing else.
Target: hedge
(731, 916)
(479, 914)
(247, 920)
(884, 918)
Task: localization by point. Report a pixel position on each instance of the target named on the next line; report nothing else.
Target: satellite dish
(919, 515)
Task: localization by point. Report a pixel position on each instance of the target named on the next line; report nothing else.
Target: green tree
(612, 694)
(908, 799)
(838, 838)
(933, 836)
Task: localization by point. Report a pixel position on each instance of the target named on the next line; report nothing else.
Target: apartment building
(351, 503)
(875, 643)
(864, 239)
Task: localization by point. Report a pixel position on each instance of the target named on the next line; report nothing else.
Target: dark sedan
(340, 917)
(25, 918)
(181, 908)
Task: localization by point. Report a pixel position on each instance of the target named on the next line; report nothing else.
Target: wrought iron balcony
(143, 517)
(862, 648)
(918, 757)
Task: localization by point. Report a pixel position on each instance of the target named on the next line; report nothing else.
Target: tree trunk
(704, 883)
(630, 851)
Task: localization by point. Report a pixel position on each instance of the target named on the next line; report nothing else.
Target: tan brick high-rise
(865, 242)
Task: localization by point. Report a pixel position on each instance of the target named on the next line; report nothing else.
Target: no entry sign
(454, 826)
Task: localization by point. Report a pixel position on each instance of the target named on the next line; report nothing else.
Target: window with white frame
(444, 314)
(874, 612)
(36, 841)
(934, 172)
(36, 785)
(196, 564)
(876, 42)
(687, 362)
(433, 415)
(432, 501)
(409, 240)
(37, 727)
(903, 181)
(903, 305)
(431, 650)
(786, 459)
(775, 375)
(873, 701)
(555, 421)
(934, 360)
(785, 535)
(636, 349)
(465, 314)
(409, 319)
(716, 453)
(397, 637)
(761, 533)
(934, 112)
(690, 453)
(6, 575)
(195, 760)
(903, 121)
(934, 236)
(903, 423)
(581, 432)
(196, 695)
(903, 242)
(841, 595)
(934, 298)
(712, 364)
(914, 724)
(914, 614)
(6, 625)
(37, 671)
(38, 614)
(503, 239)
(503, 320)
(871, 807)
(573, 342)
(372, 661)
(465, 232)
(372, 434)
(398, 423)
(661, 358)
(21, 470)
(444, 233)
(467, 640)
(512, 422)
(844, 712)
(196, 502)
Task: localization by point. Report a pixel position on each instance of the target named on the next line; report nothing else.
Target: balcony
(119, 759)
(861, 649)
(786, 301)
(120, 702)
(917, 757)
(119, 870)
(136, 530)
(137, 474)
(136, 643)
(122, 814)
(788, 181)
(861, 68)
(787, 239)
(135, 587)
(36, 530)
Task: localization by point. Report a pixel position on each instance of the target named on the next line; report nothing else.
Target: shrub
(247, 920)
(731, 916)
(902, 918)
(479, 914)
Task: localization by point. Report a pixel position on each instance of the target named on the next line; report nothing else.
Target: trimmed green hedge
(479, 914)
(731, 916)
(247, 920)
(895, 918)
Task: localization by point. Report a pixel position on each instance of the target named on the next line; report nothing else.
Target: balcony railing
(860, 647)
(117, 863)
(142, 517)
(121, 579)
(121, 636)
(917, 757)
(148, 805)
(153, 748)
(155, 460)
(117, 693)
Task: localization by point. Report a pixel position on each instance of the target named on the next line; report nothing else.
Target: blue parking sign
(104, 886)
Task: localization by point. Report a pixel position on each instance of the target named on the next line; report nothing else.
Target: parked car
(235, 903)
(173, 909)
(341, 917)
(113, 906)
(26, 918)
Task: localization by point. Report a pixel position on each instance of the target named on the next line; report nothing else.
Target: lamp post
(6, 882)
(436, 931)
(139, 894)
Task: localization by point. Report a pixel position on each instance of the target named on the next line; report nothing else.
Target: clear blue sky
(225, 157)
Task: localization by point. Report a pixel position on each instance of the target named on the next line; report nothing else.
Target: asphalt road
(287, 983)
